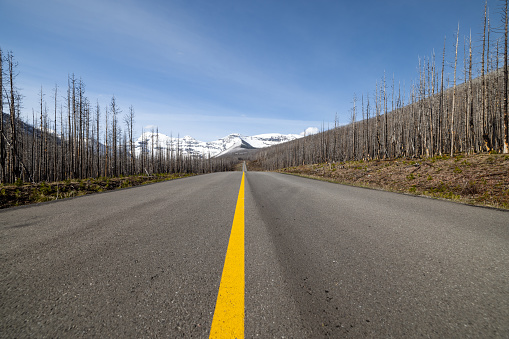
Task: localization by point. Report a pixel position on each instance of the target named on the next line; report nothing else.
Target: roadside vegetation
(22, 193)
(478, 179)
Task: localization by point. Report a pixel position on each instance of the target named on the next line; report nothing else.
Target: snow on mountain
(190, 146)
(270, 139)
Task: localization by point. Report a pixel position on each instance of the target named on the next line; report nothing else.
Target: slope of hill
(476, 179)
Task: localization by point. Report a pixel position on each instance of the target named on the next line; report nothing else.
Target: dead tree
(506, 119)
(2, 132)
(454, 92)
(14, 161)
(129, 121)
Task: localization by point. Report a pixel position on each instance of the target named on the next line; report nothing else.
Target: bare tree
(114, 130)
(3, 178)
(55, 156)
(107, 150)
(506, 119)
(454, 93)
(97, 140)
(469, 133)
(354, 112)
(14, 161)
(129, 121)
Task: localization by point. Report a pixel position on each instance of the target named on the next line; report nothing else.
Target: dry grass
(479, 179)
(25, 193)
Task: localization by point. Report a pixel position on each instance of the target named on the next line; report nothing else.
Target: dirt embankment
(479, 179)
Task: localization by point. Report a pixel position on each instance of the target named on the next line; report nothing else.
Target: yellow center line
(228, 321)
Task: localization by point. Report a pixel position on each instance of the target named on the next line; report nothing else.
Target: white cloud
(310, 131)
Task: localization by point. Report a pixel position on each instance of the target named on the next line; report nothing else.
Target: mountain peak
(190, 146)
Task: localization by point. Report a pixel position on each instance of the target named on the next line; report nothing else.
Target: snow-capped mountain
(190, 146)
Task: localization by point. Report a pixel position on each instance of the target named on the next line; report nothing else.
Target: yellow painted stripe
(228, 321)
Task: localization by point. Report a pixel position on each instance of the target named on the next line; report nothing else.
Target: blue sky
(211, 68)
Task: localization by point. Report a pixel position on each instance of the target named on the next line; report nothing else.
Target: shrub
(483, 198)
(458, 157)
(471, 188)
(45, 188)
(34, 194)
(441, 187)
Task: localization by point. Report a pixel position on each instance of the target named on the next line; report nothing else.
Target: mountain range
(190, 146)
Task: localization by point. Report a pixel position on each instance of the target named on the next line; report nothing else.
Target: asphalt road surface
(321, 260)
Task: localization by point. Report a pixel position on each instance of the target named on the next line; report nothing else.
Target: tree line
(75, 138)
(433, 118)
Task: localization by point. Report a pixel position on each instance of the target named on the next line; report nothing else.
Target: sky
(208, 68)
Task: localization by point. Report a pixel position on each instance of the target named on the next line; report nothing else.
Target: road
(321, 260)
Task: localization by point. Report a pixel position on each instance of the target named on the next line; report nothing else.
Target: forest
(438, 115)
(468, 113)
(78, 140)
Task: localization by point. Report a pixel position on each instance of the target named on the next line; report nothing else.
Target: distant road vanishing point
(319, 260)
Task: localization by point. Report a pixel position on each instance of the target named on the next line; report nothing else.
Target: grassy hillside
(479, 179)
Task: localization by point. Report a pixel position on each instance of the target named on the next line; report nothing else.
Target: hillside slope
(479, 179)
